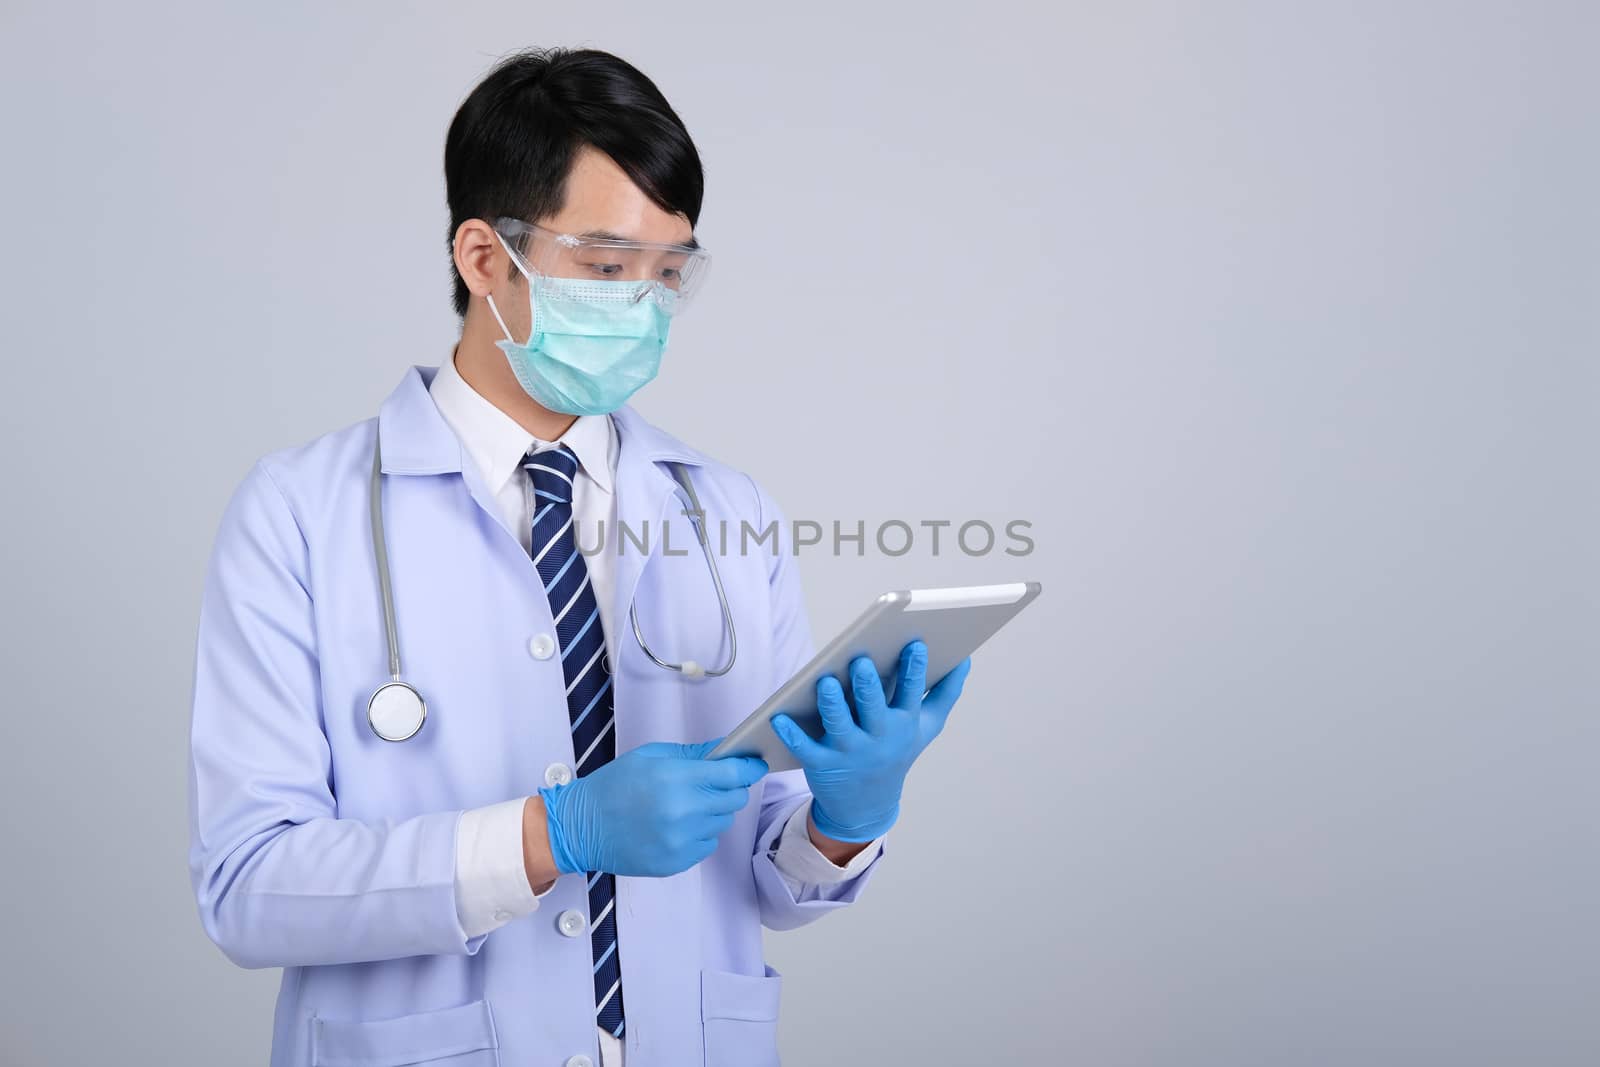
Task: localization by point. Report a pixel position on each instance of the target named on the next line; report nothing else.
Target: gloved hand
(654, 810)
(856, 771)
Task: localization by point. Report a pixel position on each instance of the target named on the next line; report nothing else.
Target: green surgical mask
(593, 343)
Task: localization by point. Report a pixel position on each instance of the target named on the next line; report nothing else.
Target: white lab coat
(319, 848)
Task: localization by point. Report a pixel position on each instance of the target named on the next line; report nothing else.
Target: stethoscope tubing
(380, 552)
(696, 519)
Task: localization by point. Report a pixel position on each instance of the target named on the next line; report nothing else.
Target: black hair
(513, 140)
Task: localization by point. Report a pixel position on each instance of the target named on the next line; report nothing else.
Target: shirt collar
(496, 444)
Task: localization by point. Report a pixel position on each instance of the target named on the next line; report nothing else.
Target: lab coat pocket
(453, 1037)
(740, 1015)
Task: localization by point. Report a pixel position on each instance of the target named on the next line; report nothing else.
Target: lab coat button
(502, 916)
(572, 923)
(580, 1061)
(542, 646)
(557, 774)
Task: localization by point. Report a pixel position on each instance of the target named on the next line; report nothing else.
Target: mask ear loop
(489, 297)
(496, 311)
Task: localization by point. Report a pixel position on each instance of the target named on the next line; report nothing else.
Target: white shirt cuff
(491, 880)
(800, 863)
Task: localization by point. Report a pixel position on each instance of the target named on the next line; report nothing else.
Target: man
(540, 867)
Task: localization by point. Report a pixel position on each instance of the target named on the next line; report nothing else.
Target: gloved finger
(703, 749)
(694, 852)
(837, 723)
(943, 697)
(866, 689)
(673, 750)
(698, 851)
(799, 743)
(725, 801)
(911, 681)
(713, 827)
(732, 772)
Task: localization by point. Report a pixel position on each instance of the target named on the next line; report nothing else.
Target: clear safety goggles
(666, 273)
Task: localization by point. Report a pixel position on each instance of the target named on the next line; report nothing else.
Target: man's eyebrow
(608, 235)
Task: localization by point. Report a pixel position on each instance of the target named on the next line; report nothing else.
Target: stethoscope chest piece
(396, 711)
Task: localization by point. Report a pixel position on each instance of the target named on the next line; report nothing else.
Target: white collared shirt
(496, 445)
(490, 879)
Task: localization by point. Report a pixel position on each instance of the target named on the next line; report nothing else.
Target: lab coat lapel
(644, 492)
(416, 439)
(414, 436)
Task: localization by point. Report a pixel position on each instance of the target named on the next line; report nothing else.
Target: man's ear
(480, 258)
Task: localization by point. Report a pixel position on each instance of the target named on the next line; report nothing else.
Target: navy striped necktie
(588, 678)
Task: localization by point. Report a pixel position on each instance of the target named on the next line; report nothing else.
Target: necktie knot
(552, 471)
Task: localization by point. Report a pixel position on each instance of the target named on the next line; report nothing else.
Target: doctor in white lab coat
(434, 900)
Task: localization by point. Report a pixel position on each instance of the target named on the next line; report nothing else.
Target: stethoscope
(397, 711)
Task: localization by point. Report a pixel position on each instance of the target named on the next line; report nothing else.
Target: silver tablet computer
(951, 622)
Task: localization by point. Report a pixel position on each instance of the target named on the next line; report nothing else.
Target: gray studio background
(1276, 320)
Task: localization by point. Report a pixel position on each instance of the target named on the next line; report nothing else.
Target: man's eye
(670, 274)
(606, 269)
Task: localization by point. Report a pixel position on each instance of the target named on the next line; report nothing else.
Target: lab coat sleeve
(786, 904)
(801, 863)
(279, 879)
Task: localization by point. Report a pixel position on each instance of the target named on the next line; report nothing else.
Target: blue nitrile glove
(856, 770)
(654, 810)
